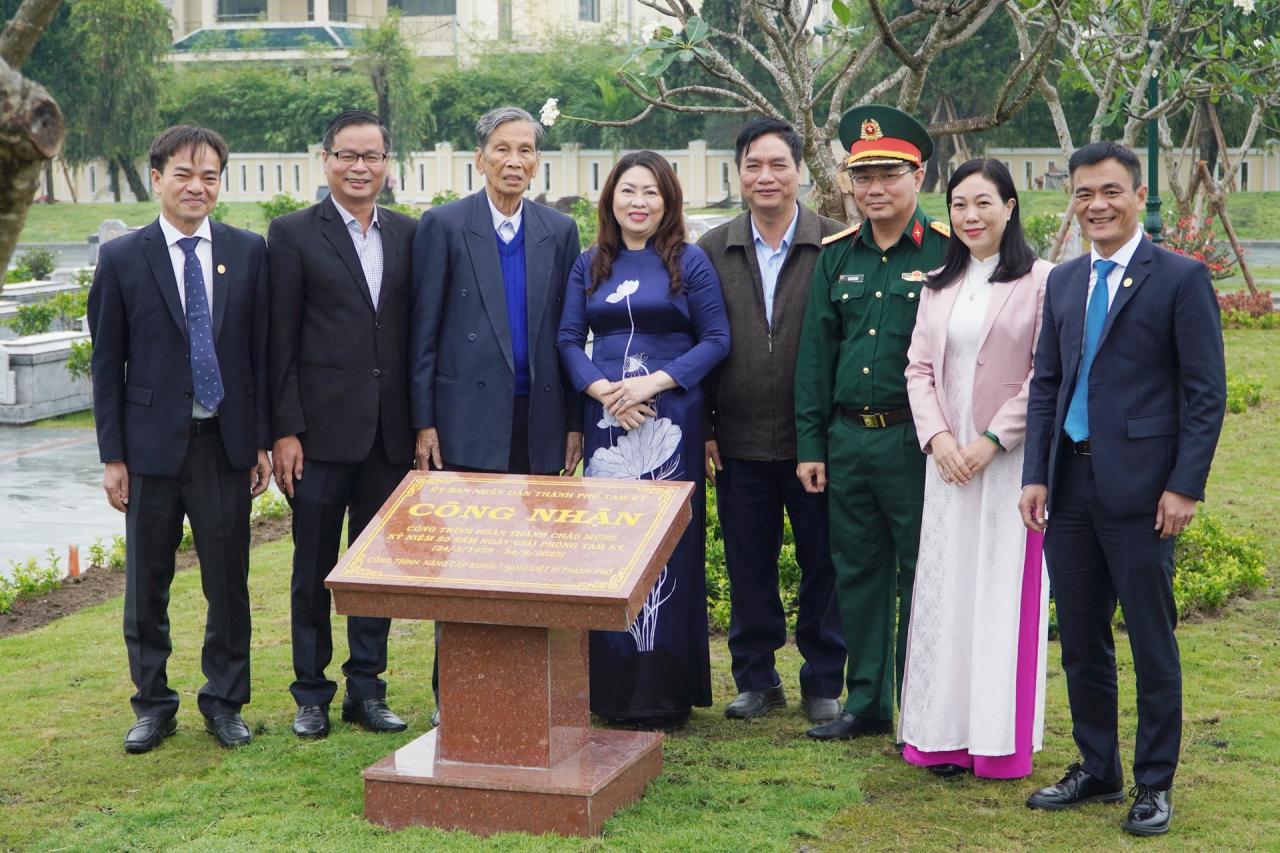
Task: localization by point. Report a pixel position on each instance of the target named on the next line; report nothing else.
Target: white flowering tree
(817, 69)
(1199, 52)
(31, 127)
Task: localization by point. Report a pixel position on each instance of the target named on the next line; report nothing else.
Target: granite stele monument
(516, 570)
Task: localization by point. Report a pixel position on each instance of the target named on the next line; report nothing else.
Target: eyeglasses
(370, 158)
(862, 180)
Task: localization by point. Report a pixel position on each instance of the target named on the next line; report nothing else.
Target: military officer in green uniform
(852, 418)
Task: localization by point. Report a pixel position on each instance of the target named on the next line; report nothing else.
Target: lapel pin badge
(1128, 282)
(222, 269)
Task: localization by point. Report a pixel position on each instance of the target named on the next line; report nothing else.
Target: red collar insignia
(917, 233)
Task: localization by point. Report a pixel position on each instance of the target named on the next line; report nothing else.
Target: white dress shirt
(1121, 258)
(506, 226)
(204, 252)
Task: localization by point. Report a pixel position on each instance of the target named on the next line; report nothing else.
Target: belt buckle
(873, 421)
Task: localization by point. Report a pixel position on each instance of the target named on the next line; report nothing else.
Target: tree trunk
(113, 179)
(31, 131)
(136, 185)
(1207, 142)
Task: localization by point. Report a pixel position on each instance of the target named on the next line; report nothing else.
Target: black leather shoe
(1076, 789)
(820, 709)
(311, 721)
(846, 727)
(756, 703)
(372, 714)
(946, 771)
(147, 733)
(1151, 812)
(229, 730)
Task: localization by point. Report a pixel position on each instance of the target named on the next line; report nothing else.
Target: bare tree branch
(24, 29)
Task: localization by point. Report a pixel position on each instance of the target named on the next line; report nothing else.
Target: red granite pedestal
(514, 593)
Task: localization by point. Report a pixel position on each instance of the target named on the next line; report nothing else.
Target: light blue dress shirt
(771, 261)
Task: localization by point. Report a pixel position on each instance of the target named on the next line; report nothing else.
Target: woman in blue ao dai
(654, 309)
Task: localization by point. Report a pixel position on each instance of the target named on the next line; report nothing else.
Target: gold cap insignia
(914, 275)
(871, 129)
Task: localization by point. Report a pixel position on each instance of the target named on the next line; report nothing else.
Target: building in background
(285, 30)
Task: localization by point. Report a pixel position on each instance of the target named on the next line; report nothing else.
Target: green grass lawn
(64, 222)
(66, 783)
(1256, 216)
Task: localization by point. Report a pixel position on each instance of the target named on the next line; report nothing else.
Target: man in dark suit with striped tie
(178, 314)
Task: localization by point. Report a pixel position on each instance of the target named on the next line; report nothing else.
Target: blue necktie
(204, 359)
(1077, 423)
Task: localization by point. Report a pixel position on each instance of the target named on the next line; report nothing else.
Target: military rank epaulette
(853, 229)
(941, 227)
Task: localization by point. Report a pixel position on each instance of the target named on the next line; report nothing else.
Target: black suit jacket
(337, 365)
(1157, 388)
(142, 388)
(463, 370)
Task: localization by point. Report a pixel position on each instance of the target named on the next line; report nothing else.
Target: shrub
(1241, 320)
(80, 362)
(403, 207)
(1214, 565)
(279, 205)
(69, 306)
(18, 273)
(97, 554)
(220, 212)
(115, 556)
(584, 213)
(1196, 239)
(1041, 229)
(718, 579)
(40, 262)
(444, 197)
(33, 318)
(29, 579)
(1243, 393)
(268, 505)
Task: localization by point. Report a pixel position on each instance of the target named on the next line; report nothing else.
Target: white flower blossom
(624, 290)
(650, 32)
(550, 112)
(1246, 5)
(1259, 43)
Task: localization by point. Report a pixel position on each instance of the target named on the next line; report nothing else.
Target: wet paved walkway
(51, 495)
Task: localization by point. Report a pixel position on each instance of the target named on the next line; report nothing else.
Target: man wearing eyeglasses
(853, 426)
(340, 405)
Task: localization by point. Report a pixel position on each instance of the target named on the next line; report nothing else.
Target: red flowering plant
(1196, 239)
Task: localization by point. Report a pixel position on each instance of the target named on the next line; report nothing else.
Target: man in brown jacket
(765, 259)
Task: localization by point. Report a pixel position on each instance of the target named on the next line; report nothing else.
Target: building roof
(267, 37)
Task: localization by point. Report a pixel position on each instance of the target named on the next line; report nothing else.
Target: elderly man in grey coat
(486, 391)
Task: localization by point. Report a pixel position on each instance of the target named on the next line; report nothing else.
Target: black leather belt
(1079, 448)
(204, 426)
(874, 420)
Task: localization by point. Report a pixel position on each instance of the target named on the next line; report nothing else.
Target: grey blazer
(461, 368)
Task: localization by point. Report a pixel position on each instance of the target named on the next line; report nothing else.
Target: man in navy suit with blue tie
(178, 314)
(1125, 408)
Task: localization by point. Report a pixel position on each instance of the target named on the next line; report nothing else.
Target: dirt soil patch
(97, 585)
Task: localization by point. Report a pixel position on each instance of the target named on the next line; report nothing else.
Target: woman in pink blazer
(973, 691)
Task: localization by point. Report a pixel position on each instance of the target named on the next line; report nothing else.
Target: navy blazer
(338, 369)
(462, 367)
(1157, 388)
(142, 389)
